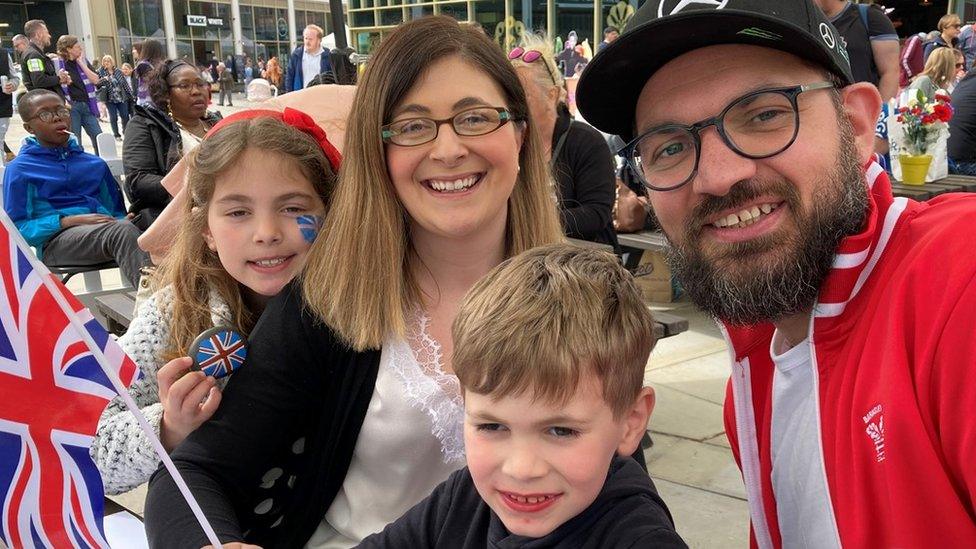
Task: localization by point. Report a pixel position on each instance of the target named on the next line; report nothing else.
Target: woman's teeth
(270, 262)
(455, 185)
(745, 217)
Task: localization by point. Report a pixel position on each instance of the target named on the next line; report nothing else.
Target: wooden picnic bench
(949, 184)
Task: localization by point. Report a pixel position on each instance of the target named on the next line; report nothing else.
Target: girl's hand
(188, 399)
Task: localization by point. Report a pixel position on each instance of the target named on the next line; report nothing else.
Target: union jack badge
(219, 351)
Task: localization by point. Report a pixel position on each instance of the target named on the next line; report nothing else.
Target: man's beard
(788, 283)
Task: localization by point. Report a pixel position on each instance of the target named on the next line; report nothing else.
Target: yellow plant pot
(914, 168)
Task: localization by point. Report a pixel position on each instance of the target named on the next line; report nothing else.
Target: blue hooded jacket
(44, 184)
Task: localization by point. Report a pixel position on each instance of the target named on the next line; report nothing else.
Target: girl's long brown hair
(357, 277)
(190, 268)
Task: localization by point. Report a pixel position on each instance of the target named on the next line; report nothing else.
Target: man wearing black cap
(851, 314)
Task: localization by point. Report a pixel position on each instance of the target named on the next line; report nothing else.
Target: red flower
(942, 112)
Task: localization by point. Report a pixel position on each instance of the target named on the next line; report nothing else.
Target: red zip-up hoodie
(893, 340)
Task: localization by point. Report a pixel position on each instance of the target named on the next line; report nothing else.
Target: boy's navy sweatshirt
(627, 513)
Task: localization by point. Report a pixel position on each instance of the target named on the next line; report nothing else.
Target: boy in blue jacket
(64, 200)
(549, 349)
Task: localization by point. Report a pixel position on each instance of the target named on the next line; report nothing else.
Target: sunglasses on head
(531, 56)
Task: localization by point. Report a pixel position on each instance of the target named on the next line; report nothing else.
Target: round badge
(219, 351)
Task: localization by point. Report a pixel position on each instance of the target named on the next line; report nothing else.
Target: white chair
(106, 146)
(108, 152)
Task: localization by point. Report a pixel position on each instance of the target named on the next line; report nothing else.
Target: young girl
(240, 243)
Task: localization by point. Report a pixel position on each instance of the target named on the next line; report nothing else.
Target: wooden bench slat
(117, 307)
(673, 324)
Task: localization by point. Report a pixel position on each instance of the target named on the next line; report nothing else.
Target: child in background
(550, 349)
(252, 185)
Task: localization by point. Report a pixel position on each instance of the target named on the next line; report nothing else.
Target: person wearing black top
(37, 68)
(581, 161)
(81, 89)
(962, 127)
(154, 142)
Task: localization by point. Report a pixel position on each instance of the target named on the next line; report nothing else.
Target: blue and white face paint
(310, 225)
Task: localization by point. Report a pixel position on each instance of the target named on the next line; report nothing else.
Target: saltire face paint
(310, 226)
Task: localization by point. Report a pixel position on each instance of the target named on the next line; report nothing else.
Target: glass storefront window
(265, 24)
(147, 17)
(391, 16)
(362, 19)
(457, 10)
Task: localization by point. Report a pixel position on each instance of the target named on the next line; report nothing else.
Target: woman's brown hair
(65, 43)
(191, 269)
(357, 278)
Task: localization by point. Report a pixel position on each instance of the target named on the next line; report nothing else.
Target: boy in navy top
(63, 200)
(550, 349)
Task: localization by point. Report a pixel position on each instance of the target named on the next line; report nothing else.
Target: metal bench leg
(93, 281)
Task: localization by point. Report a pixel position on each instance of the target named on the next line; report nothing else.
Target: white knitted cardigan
(121, 450)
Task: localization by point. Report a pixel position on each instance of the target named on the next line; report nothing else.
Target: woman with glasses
(161, 132)
(347, 412)
(947, 34)
(581, 162)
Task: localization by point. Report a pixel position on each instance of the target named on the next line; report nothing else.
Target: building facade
(260, 29)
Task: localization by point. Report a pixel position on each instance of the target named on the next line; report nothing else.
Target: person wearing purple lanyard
(80, 91)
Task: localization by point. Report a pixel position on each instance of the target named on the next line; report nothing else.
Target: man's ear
(861, 105)
(635, 422)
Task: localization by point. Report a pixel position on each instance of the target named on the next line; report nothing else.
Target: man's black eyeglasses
(757, 125)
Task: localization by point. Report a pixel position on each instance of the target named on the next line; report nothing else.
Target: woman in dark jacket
(581, 161)
(160, 133)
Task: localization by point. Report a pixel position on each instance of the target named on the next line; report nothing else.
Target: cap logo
(827, 35)
(662, 8)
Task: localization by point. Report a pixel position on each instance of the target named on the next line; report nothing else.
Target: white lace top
(411, 441)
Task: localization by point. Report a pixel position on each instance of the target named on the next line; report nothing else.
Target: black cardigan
(151, 148)
(585, 172)
(296, 405)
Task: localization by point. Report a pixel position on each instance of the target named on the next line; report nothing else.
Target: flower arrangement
(923, 121)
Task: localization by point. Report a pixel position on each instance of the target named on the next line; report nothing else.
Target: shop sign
(203, 21)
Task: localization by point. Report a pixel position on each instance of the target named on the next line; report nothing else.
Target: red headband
(294, 118)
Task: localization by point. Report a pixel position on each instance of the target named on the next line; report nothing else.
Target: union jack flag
(54, 391)
(220, 352)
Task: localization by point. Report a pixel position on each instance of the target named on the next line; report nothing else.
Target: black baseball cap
(662, 30)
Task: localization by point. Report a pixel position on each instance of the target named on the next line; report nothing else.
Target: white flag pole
(52, 286)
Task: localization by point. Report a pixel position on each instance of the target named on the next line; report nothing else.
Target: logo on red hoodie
(874, 421)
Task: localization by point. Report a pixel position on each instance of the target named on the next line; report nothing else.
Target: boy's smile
(538, 464)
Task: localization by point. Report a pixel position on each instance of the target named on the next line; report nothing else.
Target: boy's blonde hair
(191, 268)
(543, 319)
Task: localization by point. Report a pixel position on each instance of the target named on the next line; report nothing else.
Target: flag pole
(52, 286)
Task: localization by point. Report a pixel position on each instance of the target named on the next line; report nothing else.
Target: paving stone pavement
(690, 461)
